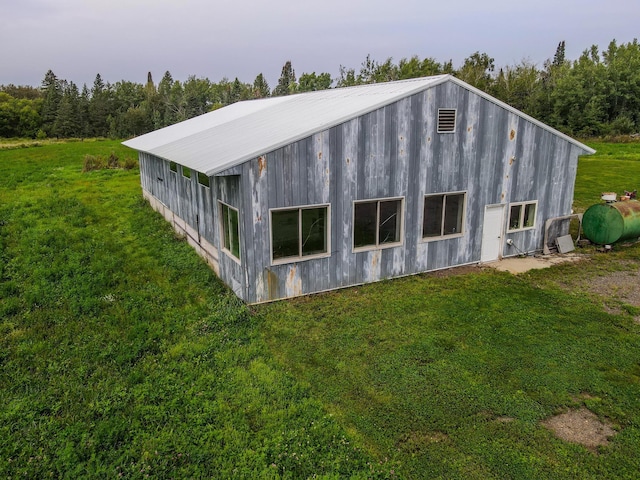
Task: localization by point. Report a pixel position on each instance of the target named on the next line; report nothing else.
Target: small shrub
(129, 163)
(113, 161)
(92, 162)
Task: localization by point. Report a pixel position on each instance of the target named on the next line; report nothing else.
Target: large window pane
(432, 221)
(285, 233)
(514, 217)
(314, 231)
(230, 230)
(389, 229)
(364, 224)
(443, 215)
(454, 205)
(522, 215)
(529, 215)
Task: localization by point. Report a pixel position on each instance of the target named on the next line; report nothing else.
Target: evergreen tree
(260, 87)
(67, 123)
(52, 93)
(99, 108)
(286, 82)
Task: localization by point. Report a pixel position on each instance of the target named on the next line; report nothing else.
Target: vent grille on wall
(446, 120)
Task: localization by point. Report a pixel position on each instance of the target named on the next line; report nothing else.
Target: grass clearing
(122, 355)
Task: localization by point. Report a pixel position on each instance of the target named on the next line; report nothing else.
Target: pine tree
(260, 87)
(99, 108)
(67, 123)
(52, 92)
(287, 81)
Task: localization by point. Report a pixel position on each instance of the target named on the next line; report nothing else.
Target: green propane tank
(607, 223)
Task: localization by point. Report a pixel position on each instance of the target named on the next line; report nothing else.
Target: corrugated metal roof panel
(216, 141)
(231, 135)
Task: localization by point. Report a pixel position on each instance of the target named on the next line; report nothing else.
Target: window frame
(455, 120)
(300, 257)
(173, 167)
(187, 170)
(221, 206)
(521, 227)
(442, 235)
(204, 175)
(377, 245)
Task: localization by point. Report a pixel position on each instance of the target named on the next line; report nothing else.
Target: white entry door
(492, 233)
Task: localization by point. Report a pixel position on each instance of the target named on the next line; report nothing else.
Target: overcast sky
(125, 39)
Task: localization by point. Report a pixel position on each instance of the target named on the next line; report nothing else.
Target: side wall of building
(494, 156)
(193, 210)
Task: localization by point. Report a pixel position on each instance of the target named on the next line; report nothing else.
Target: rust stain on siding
(512, 134)
(469, 129)
(511, 160)
(262, 165)
(319, 155)
(272, 284)
(293, 284)
(428, 139)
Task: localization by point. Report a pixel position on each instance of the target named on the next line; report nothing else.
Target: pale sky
(125, 39)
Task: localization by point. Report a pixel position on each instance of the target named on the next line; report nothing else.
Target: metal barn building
(292, 195)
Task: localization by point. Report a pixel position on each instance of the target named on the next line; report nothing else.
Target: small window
(443, 215)
(186, 172)
(299, 233)
(522, 216)
(446, 120)
(203, 179)
(230, 230)
(173, 166)
(377, 223)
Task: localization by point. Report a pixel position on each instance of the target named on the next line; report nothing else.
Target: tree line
(596, 94)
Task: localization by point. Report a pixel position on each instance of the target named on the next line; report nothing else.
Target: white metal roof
(218, 140)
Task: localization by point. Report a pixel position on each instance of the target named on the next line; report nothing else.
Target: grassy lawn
(614, 168)
(122, 355)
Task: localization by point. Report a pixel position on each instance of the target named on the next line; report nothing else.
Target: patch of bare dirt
(580, 426)
(624, 287)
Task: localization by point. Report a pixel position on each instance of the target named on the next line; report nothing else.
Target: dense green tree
(310, 82)
(518, 86)
(260, 87)
(68, 122)
(100, 107)
(477, 71)
(52, 94)
(21, 91)
(622, 63)
(197, 96)
(287, 81)
(19, 117)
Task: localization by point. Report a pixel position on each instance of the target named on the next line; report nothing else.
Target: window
(173, 166)
(203, 179)
(230, 230)
(522, 215)
(186, 172)
(446, 120)
(443, 215)
(299, 233)
(377, 223)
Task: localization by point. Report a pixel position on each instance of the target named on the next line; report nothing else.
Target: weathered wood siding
(494, 155)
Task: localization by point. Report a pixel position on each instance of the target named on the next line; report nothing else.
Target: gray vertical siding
(495, 156)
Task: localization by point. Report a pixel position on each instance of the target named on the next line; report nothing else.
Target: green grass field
(123, 356)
